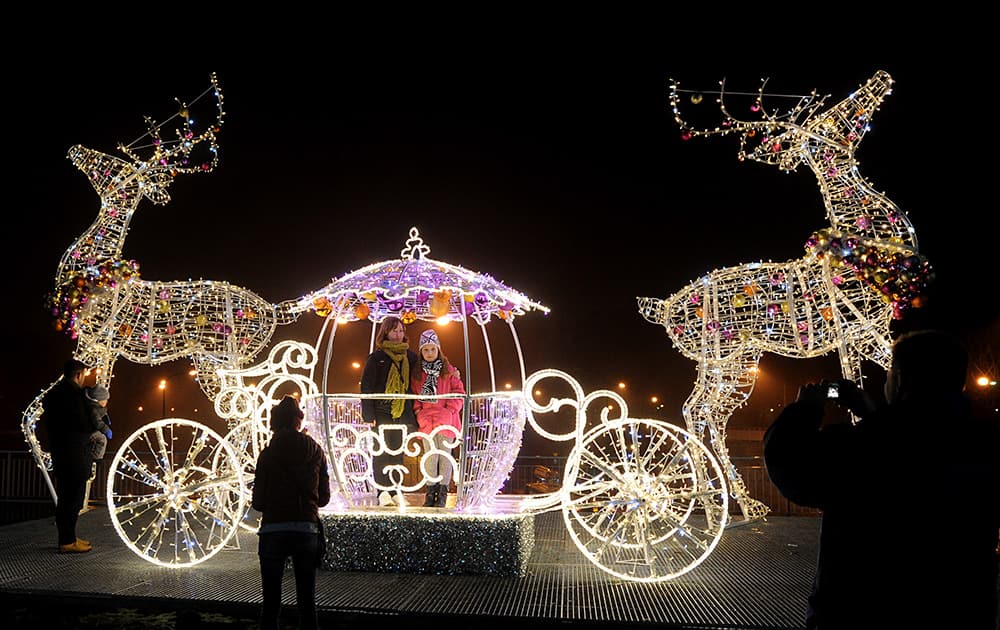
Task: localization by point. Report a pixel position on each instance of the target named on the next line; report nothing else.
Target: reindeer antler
(174, 156)
(805, 106)
(777, 137)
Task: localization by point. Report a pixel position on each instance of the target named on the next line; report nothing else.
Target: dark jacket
(99, 418)
(911, 510)
(67, 425)
(373, 380)
(291, 481)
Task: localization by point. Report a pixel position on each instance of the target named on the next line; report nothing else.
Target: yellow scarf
(399, 373)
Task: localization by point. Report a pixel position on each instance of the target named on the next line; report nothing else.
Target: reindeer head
(192, 149)
(788, 137)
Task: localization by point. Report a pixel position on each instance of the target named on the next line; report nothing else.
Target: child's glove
(108, 433)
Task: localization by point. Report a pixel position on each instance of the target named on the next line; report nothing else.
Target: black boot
(430, 496)
(441, 498)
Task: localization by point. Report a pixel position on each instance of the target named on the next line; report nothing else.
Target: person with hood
(910, 494)
(67, 424)
(291, 483)
(97, 409)
(435, 377)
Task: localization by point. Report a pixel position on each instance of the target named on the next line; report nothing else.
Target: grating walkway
(758, 577)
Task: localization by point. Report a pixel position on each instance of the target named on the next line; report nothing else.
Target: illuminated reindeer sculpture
(856, 276)
(101, 302)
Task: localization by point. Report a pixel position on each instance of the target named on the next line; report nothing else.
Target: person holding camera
(910, 494)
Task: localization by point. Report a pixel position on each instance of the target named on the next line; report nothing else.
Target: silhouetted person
(291, 483)
(910, 495)
(67, 423)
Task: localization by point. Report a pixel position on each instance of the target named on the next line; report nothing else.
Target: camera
(832, 391)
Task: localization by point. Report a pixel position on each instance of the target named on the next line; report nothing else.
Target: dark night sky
(559, 171)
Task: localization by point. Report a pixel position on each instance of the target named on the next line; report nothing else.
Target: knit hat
(98, 393)
(428, 338)
(286, 413)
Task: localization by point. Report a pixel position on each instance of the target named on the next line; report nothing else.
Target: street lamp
(163, 398)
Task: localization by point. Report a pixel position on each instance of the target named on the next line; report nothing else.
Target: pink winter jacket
(443, 411)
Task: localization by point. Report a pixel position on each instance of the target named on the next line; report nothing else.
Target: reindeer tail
(287, 312)
(653, 310)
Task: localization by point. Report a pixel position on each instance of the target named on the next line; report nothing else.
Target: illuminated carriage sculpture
(642, 499)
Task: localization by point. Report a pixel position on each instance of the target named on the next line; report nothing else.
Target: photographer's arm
(793, 450)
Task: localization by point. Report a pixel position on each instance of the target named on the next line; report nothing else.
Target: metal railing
(22, 483)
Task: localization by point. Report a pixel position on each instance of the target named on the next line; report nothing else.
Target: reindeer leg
(208, 376)
(729, 383)
(29, 423)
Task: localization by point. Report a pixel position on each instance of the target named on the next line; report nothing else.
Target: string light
(415, 287)
(856, 276)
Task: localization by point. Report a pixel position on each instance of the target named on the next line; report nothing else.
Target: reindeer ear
(155, 185)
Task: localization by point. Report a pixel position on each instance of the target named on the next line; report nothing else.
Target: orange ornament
(322, 306)
(361, 311)
(439, 307)
(408, 317)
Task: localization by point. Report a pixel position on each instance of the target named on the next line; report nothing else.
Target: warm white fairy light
(643, 500)
(99, 298)
(841, 296)
(175, 493)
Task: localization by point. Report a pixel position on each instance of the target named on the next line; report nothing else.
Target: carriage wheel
(175, 492)
(644, 500)
(248, 439)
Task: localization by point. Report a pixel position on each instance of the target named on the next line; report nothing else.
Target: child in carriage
(437, 376)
